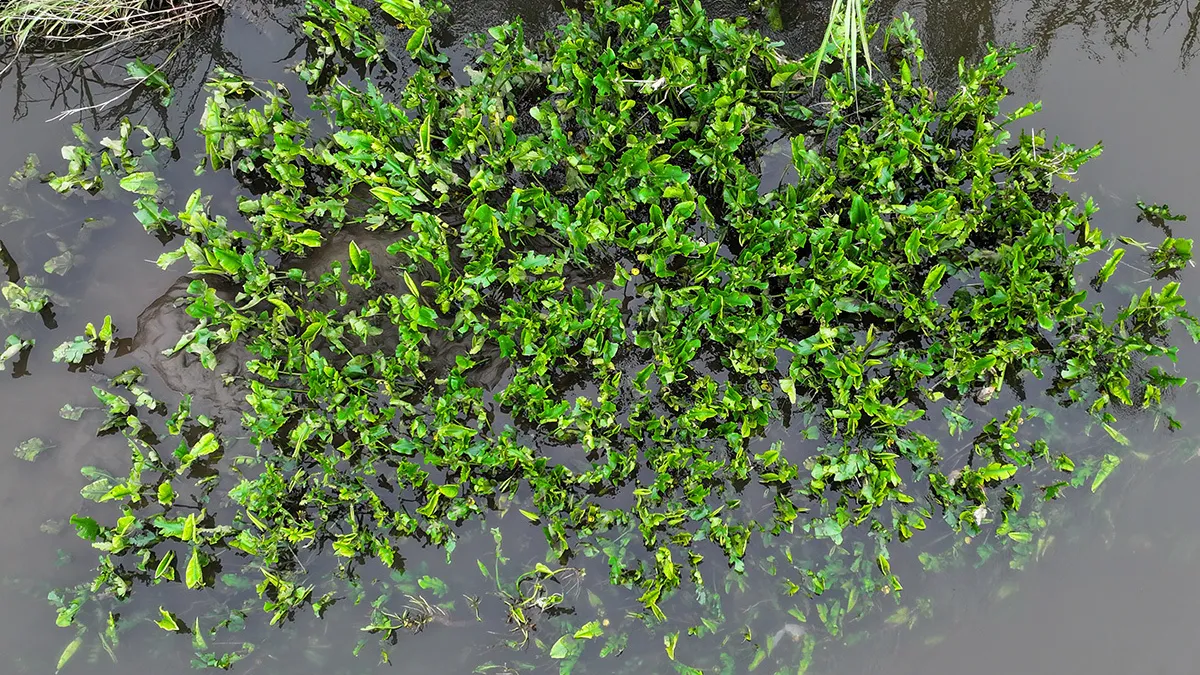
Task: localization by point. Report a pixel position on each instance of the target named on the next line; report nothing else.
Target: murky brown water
(1116, 596)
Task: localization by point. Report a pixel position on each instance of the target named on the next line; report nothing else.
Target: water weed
(594, 319)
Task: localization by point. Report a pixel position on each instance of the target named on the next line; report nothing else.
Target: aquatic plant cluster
(598, 312)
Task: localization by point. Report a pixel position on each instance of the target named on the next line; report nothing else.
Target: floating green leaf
(152, 78)
(13, 346)
(589, 630)
(166, 621)
(670, 640)
(194, 576)
(141, 182)
(73, 351)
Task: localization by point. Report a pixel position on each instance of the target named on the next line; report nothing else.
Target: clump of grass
(848, 28)
(58, 23)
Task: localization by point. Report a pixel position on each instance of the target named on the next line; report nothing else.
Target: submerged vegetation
(700, 317)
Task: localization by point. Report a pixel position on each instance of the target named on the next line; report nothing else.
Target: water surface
(1115, 594)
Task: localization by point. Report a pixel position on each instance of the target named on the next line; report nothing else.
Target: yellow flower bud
(634, 272)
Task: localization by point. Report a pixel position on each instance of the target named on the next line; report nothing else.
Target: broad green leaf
(1107, 466)
(96, 490)
(433, 585)
(997, 472)
(1110, 266)
(87, 528)
(141, 182)
(73, 413)
(60, 264)
(13, 346)
(589, 630)
(759, 655)
(166, 493)
(30, 299)
(152, 78)
(106, 331)
(194, 576)
(457, 431)
(1116, 435)
(360, 260)
(198, 642)
(236, 582)
(229, 261)
(73, 351)
(69, 651)
(206, 445)
(860, 213)
(166, 621)
(912, 247)
(166, 567)
(416, 41)
(310, 238)
(29, 450)
(933, 280)
(788, 386)
(1064, 463)
(565, 647)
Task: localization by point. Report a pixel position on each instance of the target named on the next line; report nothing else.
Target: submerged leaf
(68, 652)
(1116, 435)
(60, 264)
(1107, 466)
(29, 450)
(565, 647)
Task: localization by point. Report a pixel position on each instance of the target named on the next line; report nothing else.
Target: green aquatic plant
(846, 32)
(646, 289)
(1158, 213)
(93, 341)
(14, 347)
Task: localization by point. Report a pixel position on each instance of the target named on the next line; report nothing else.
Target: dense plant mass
(648, 284)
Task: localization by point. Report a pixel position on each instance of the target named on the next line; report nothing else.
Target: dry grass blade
(56, 24)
